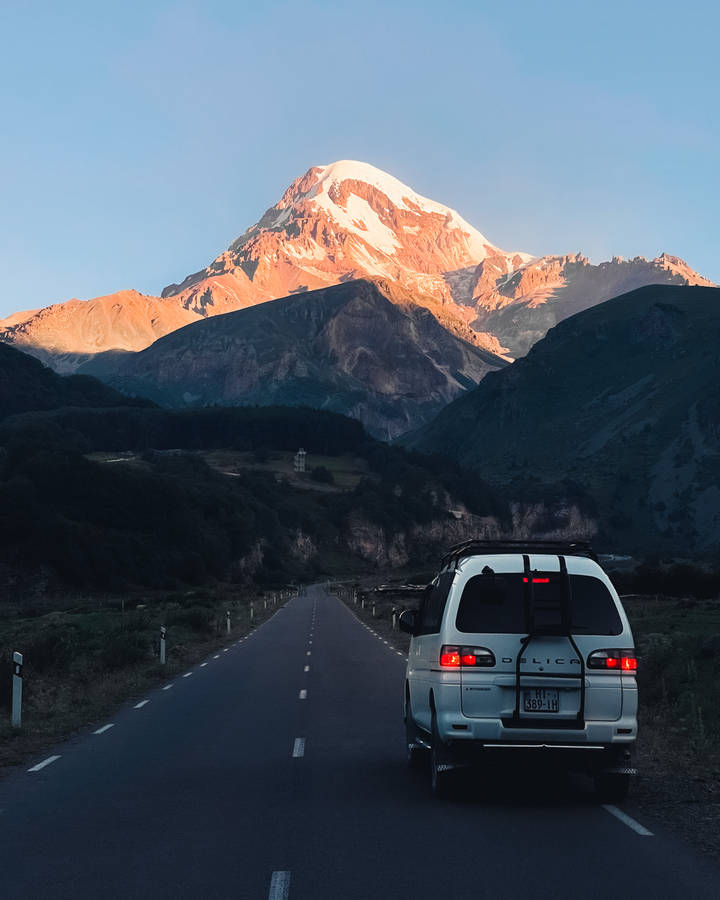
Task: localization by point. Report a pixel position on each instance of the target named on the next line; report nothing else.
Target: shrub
(196, 618)
(124, 648)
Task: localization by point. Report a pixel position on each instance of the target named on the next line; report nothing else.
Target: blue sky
(138, 139)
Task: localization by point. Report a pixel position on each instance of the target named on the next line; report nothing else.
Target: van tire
(416, 755)
(612, 787)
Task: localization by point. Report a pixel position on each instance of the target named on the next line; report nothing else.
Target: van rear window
(495, 604)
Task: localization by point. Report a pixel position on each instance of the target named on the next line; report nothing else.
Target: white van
(522, 646)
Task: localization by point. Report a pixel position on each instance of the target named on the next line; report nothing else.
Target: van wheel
(416, 755)
(612, 787)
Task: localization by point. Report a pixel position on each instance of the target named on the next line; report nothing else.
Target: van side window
(433, 604)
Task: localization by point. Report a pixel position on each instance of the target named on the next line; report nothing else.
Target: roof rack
(554, 548)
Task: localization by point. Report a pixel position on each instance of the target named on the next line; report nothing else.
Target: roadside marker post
(227, 619)
(373, 610)
(163, 635)
(252, 612)
(394, 620)
(362, 603)
(265, 603)
(17, 690)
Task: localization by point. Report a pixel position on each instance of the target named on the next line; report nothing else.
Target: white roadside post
(265, 602)
(17, 690)
(227, 619)
(163, 635)
(373, 609)
(252, 612)
(394, 620)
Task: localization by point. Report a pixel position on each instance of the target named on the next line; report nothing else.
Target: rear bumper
(590, 758)
(459, 729)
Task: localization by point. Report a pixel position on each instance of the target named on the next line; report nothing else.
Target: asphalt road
(233, 783)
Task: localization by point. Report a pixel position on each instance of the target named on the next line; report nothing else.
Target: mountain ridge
(338, 223)
(623, 398)
(364, 348)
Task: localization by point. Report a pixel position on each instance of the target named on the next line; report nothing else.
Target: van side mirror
(407, 621)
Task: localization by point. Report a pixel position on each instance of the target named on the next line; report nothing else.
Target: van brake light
(613, 660)
(466, 657)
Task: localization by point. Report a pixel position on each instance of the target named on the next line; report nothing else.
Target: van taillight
(613, 660)
(450, 657)
(466, 657)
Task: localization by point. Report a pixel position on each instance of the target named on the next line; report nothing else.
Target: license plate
(541, 700)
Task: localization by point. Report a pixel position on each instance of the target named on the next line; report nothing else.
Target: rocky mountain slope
(364, 348)
(519, 307)
(341, 222)
(25, 384)
(623, 398)
(335, 223)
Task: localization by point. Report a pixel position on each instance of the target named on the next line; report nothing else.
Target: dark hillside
(25, 384)
(624, 399)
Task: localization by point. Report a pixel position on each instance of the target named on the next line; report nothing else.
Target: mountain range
(623, 399)
(343, 222)
(364, 348)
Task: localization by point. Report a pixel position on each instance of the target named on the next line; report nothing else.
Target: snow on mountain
(339, 222)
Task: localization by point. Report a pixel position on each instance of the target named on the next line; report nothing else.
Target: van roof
(480, 547)
(508, 563)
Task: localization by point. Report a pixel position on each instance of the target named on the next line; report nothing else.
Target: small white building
(300, 460)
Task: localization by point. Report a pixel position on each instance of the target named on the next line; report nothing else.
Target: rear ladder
(564, 629)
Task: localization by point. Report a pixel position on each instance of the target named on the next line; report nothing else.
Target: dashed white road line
(308, 653)
(627, 820)
(303, 694)
(217, 656)
(104, 728)
(187, 674)
(307, 668)
(202, 665)
(279, 886)
(167, 687)
(141, 704)
(225, 649)
(298, 748)
(45, 762)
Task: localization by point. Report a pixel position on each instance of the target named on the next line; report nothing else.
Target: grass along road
(83, 662)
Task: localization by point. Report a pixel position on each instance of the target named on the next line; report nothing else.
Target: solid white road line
(303, 694)
(104, 728)
(279, 886)
(298, 748)
(141, 704)
(626, 820)
(187, 674)
(45, 762)
(307, 668)
(167, 687)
